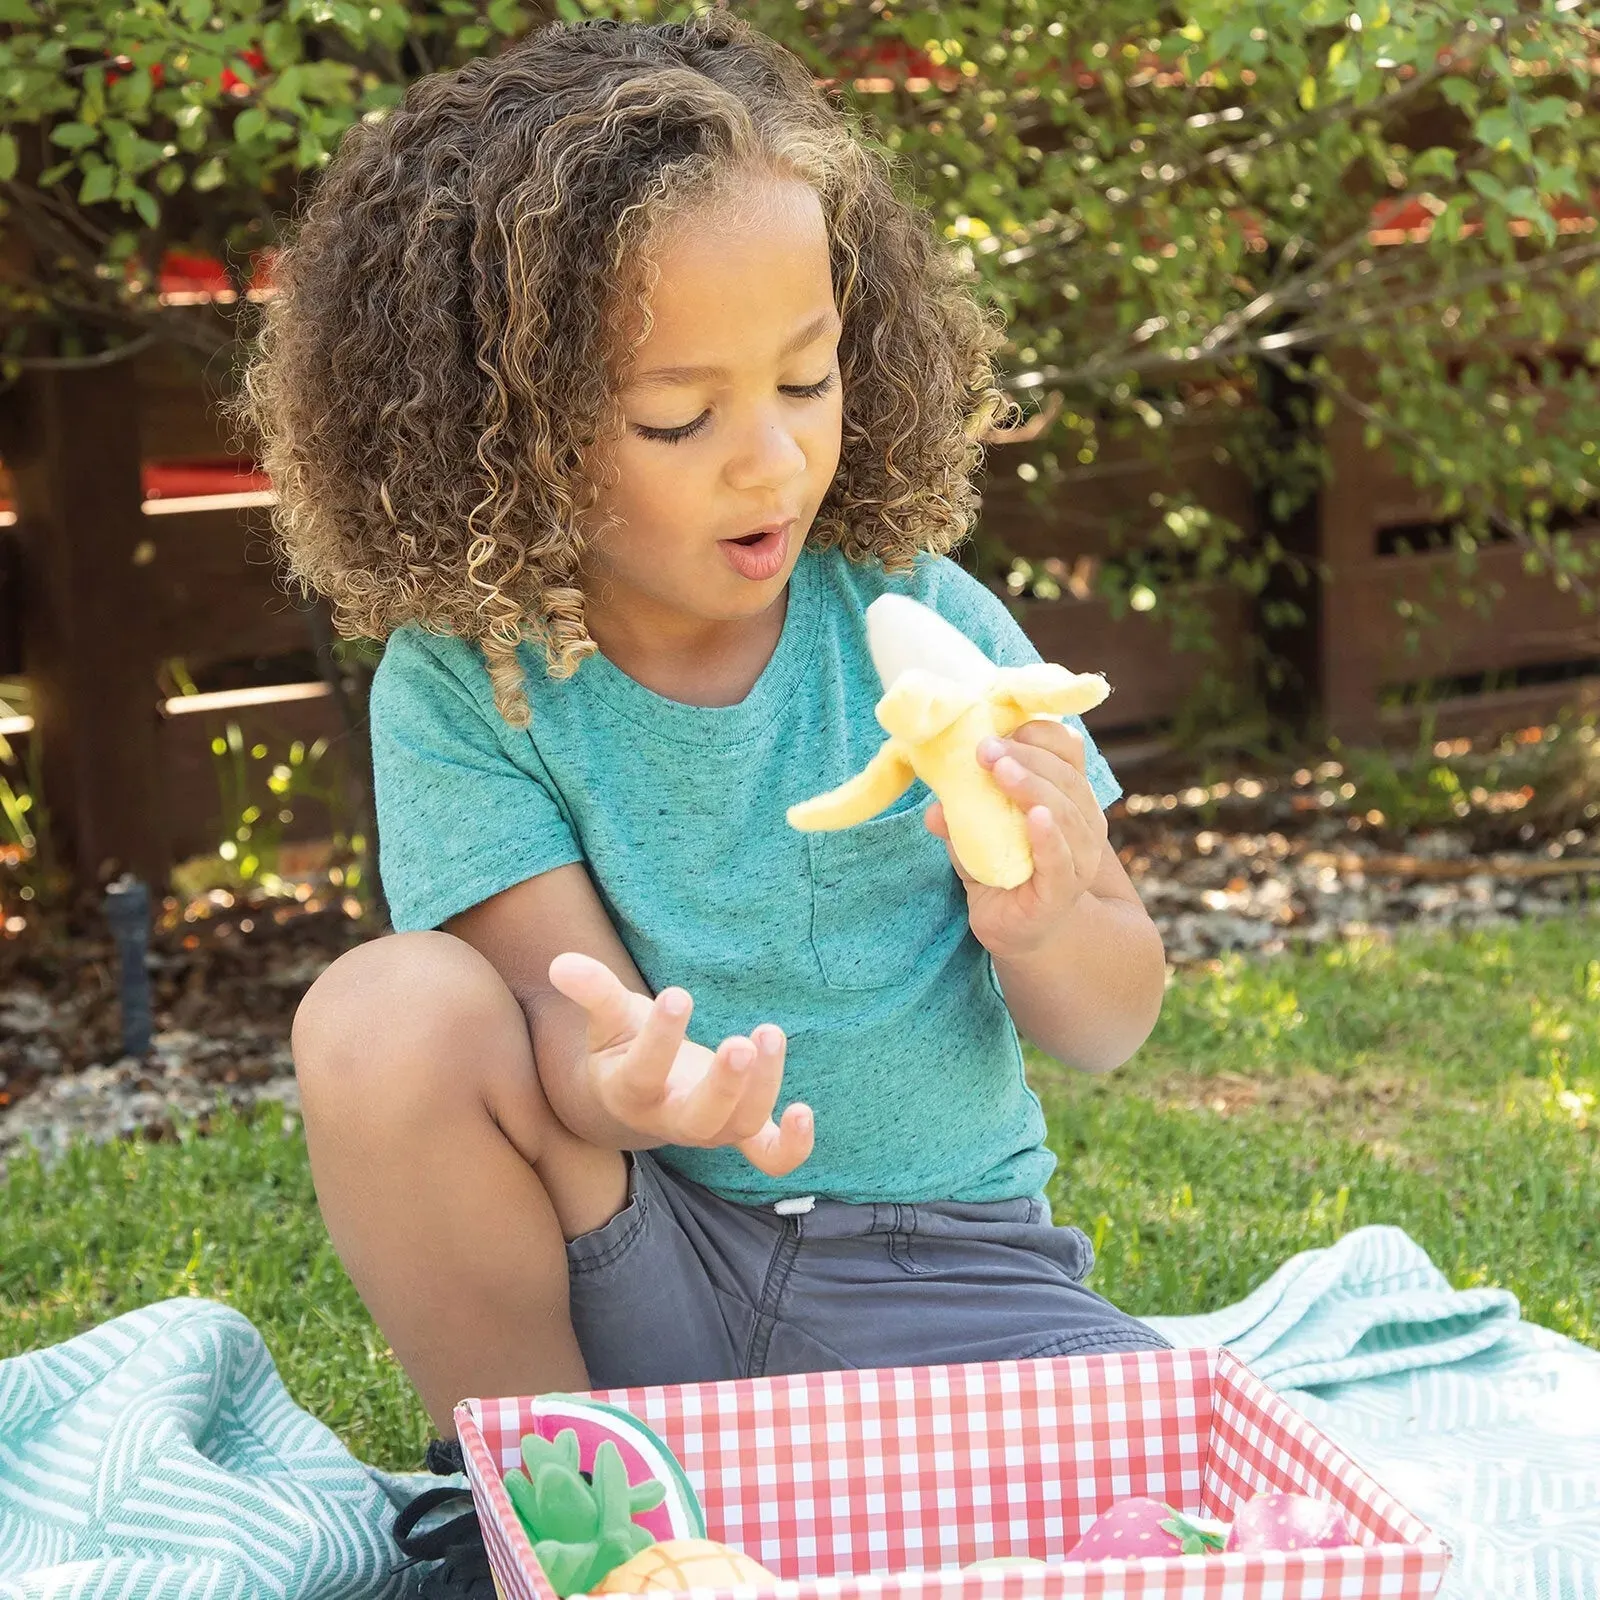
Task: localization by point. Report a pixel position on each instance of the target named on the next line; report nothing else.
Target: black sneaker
(456, 1544)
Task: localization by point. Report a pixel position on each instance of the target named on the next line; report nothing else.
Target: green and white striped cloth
(159, 1457)
(1486, 1427)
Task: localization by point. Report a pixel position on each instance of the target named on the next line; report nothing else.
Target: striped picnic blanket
(1485, 1426)
(159, 1457)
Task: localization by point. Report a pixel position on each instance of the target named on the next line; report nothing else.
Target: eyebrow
(665, 377)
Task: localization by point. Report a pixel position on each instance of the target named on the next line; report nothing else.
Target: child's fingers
(780, 1147)
(635, 1083)
(763, 1079)
(613, 1008)
(705, 1110)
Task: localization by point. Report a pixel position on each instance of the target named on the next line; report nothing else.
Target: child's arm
(1090, 996)
(1079, 961)
(614, 1062)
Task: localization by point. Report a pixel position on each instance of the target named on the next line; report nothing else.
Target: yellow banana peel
(942, 698)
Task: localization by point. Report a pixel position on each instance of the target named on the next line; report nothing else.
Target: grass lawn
(1444, 1085)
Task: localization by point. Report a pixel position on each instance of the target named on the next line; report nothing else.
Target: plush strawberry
(1273, 1521)
(1143, 1527)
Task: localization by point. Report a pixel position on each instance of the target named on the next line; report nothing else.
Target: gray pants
(682, 1286)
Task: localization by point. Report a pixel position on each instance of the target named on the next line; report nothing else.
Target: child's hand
(1041, 768)
(665, 1087)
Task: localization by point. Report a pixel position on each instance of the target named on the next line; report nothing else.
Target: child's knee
(406, 1015)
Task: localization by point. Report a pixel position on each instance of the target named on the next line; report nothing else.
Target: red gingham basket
(881, 1485)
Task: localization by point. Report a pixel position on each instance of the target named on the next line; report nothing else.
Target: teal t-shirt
(855, 943)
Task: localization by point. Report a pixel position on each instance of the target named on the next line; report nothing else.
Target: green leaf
(1489, 186)
(1193, 1540)
(566, 1508)
(145, 204)
(520, 1493)
(280, 44)
(1549, 111)
(8, 156)
(1308, 93)
(565, 1565)
(196, 13)
(209, 174)
(1437, 162)
(132, 91)
(610, 1478)
(284, 91)
(74, 135)
(646, 1496)
(1499, 129)
(249, 125)
(96, 185)
(615, 1548)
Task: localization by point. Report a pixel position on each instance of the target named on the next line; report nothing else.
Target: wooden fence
(101, 582)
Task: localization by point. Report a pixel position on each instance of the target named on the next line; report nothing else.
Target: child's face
(734, 292)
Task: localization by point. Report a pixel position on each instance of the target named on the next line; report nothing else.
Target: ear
(922, 705)
(1046, 690)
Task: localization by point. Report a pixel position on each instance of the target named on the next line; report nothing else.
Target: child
(610, 381)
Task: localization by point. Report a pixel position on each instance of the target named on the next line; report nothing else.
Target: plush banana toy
(943, 697)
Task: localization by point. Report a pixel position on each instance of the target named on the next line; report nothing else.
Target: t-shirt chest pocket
(881, 893)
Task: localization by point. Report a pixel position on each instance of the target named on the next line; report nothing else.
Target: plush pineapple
(678, 1564)
(580, 1526)
(942, 697)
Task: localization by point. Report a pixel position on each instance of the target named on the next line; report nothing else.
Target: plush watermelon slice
(643, 1452)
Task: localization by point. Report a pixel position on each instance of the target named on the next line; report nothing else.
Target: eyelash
(813, 391)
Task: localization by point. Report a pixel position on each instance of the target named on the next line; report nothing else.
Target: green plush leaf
(611, 1483)
(1192, 1539)
(520, 1492)
(646, 1496)
(537, 1451)
(565, 1565)
(8, 156)
(566, 1505)
(615, 1548)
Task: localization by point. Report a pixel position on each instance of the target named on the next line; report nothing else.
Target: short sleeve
(982, 615)
(458, 818)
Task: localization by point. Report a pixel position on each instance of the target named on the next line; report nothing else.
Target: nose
(770, 456)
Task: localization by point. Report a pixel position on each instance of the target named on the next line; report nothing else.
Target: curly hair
(442, 349)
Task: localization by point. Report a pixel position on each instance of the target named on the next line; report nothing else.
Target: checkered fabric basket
(882, 1485)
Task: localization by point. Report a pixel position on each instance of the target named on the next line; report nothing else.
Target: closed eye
(814, 391)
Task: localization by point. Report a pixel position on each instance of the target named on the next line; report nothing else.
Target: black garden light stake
(127, 906)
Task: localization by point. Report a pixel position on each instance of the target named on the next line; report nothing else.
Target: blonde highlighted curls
(442, 350)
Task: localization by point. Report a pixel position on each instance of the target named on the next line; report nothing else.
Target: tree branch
(106, 358)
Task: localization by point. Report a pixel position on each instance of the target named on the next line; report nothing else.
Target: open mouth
(760, 555)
